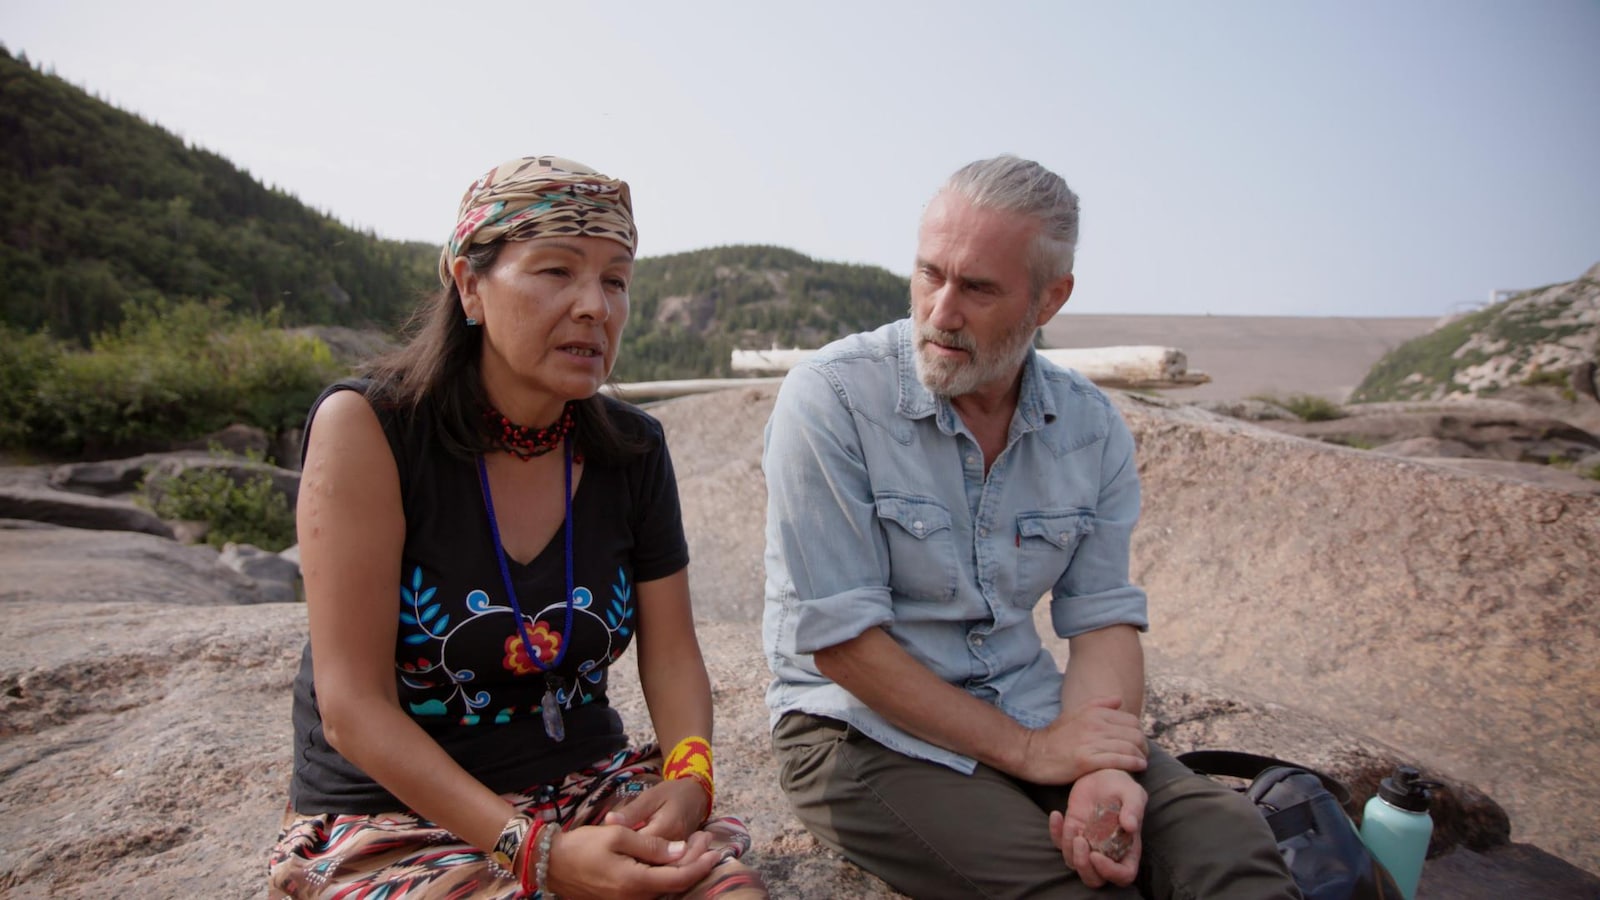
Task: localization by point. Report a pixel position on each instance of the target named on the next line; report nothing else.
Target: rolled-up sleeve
(1094, 592)
(827, 558)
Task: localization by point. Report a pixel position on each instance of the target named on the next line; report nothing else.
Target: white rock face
(1552, 329)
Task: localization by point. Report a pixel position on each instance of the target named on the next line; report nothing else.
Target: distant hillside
(1539, 336)
(690, 310)
(102, 208)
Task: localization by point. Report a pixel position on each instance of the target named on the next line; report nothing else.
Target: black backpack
(1306, 811)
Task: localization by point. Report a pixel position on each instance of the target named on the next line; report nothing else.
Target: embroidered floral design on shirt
(546, 644)
(442, 661)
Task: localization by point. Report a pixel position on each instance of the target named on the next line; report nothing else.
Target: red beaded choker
(523, 442)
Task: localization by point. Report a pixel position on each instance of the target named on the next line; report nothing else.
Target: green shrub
(1561, 379)
(26, 360)
(1309, 407)
(173, 372)
(1547, 378)
(253, 512)
(1432, 356)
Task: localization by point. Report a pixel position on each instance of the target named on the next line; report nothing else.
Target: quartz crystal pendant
(553, 726)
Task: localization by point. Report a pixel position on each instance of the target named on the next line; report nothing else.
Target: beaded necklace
(549, 706)
(522, 441)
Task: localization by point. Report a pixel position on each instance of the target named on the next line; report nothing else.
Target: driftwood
(644, 391)
(1113, 367)
(1126, 368)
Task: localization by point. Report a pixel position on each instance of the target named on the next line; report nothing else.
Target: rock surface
(1445, 613)
(1553, 477)
(1481, 428)
(1390, 612)
(240, 471)
(155, 750)
(108, 477)
(275, 575)
(1547, 331)
(44, 504)
(65, 567)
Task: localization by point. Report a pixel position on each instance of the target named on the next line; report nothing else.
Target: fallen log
(1115, 367)
(645, 391)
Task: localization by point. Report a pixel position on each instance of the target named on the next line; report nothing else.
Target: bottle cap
(1406, 790)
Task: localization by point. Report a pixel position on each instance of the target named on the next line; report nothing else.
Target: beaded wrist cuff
(691, 758)
(510, 843)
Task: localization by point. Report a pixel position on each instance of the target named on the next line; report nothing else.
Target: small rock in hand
(1105, 833)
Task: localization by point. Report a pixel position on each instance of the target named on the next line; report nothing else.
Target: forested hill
(690, 310)
(102, 207)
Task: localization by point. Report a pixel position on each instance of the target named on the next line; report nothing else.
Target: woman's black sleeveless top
(460, 667)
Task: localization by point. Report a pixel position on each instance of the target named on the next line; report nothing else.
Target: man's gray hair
(1011, 184)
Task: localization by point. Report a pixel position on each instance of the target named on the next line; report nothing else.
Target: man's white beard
(947, 377)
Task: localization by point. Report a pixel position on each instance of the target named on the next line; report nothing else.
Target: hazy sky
(1262, 158)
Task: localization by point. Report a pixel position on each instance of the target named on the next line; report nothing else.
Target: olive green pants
(932, 832)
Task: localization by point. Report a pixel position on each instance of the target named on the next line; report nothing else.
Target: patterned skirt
(401, 855)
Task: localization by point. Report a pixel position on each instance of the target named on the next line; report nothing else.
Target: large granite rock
(1556, 478)
(239, 471)
(152, 748)
(150, 745)
(1443, 612)
(1446, 613)
(45, 504)
(715, 441)
(109, 477)
(69, 567)
(112, 477)
(1486, 429)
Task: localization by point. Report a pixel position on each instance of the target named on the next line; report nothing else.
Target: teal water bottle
(1396, 826)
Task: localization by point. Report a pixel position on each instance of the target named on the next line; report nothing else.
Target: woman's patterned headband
(540, 196)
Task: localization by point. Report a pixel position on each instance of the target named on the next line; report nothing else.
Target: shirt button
(916, 526)
(977, 640)
(1063, 537)
(983, 532)
(971, 460)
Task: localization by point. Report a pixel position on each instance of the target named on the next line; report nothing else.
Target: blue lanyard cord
(505, 571)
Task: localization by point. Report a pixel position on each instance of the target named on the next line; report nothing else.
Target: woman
(481, 535)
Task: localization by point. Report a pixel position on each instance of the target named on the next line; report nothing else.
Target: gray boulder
(43, 504)
(1427, 448)
(277, 576)
(1491, 430)
(241, 471)
(1248, 410)
(1445, 613)
(104, 478)
(237, 439)
(73, 568)
(1514, 870)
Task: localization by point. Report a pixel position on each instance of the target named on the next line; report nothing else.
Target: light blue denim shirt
(879, 514)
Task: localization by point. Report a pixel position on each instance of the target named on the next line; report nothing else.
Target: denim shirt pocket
(922, 562)
(1046, 541)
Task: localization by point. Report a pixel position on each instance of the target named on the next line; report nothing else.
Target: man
(927, 483)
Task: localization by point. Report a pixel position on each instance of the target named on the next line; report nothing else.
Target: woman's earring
(471, 322)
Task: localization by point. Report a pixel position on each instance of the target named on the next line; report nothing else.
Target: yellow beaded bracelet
(691, 758)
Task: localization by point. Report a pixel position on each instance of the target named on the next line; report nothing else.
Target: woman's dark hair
(435, 374)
